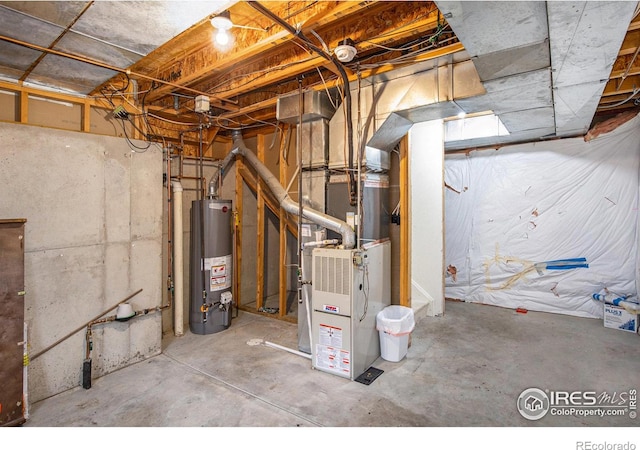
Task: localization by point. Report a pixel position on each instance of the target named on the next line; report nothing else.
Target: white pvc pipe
(287, 349)
(178, 295)
(25, 383)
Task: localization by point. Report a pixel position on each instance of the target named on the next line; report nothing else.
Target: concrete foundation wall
(93, 236)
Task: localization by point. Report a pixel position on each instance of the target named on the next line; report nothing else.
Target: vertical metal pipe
(299, 171)
(201, 200)
(169, 231)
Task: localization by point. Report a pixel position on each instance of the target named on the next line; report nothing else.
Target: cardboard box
(620, 319)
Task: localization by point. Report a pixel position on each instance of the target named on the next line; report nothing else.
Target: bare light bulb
(222, 37)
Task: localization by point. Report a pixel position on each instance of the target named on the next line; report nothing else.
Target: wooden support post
(405, 236)
(238, 230)
(86, 116)
(260, 233)
(282, 276)
(24, 107)
(282, 217)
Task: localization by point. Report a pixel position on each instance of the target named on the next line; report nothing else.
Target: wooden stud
(282, 216)
(405, 235)
(238, 230)
(24, 107)
(282, 275)
(86, 116)
(260, 255)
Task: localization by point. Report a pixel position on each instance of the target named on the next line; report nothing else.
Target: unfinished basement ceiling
(549, 69)
(114, 33)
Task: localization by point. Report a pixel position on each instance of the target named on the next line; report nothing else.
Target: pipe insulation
(178, 264)
(281, 195)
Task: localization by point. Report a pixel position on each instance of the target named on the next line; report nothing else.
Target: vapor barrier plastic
(543, 226)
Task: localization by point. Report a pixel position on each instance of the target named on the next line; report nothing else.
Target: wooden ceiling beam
(292, 68)
(610, 100)
(625, 65)
(411, 20)
(613, 87)
(206, 59)
(630, 43)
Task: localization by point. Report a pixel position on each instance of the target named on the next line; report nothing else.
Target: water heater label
(220, 271)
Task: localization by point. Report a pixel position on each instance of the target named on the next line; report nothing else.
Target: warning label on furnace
(333, 359)
(329, 335)
(220, 270)
(329, 352)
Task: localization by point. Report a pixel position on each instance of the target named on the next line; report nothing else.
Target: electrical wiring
(260, 121)
(615, 105)
(133, 146)
(430, 38)
(324, 45)
(124, 97)
(404, 58)
(175, 122)
(326, 88)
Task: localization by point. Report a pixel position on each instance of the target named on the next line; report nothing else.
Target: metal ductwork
(420, 97)
(544, 65)
(281, 195)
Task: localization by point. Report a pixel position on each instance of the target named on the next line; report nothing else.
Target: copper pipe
(84, 325)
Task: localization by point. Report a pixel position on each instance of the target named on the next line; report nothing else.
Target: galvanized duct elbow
(317, 217)
(224, 165)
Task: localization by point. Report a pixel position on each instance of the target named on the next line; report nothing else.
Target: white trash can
(395, 323)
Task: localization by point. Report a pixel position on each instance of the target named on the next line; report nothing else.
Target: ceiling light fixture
(222, 38)
(222, 21)
(346, 51)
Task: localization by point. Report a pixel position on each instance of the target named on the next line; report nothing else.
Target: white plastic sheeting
(510, 212)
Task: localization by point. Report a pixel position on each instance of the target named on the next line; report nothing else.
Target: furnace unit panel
(349, 288)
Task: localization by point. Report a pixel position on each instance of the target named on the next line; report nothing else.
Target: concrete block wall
(93, 236)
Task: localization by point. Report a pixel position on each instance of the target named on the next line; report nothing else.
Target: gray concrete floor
(464, 369)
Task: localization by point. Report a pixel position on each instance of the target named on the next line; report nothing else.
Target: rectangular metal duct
(315, 105)
(314, 143)
(425, 96)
